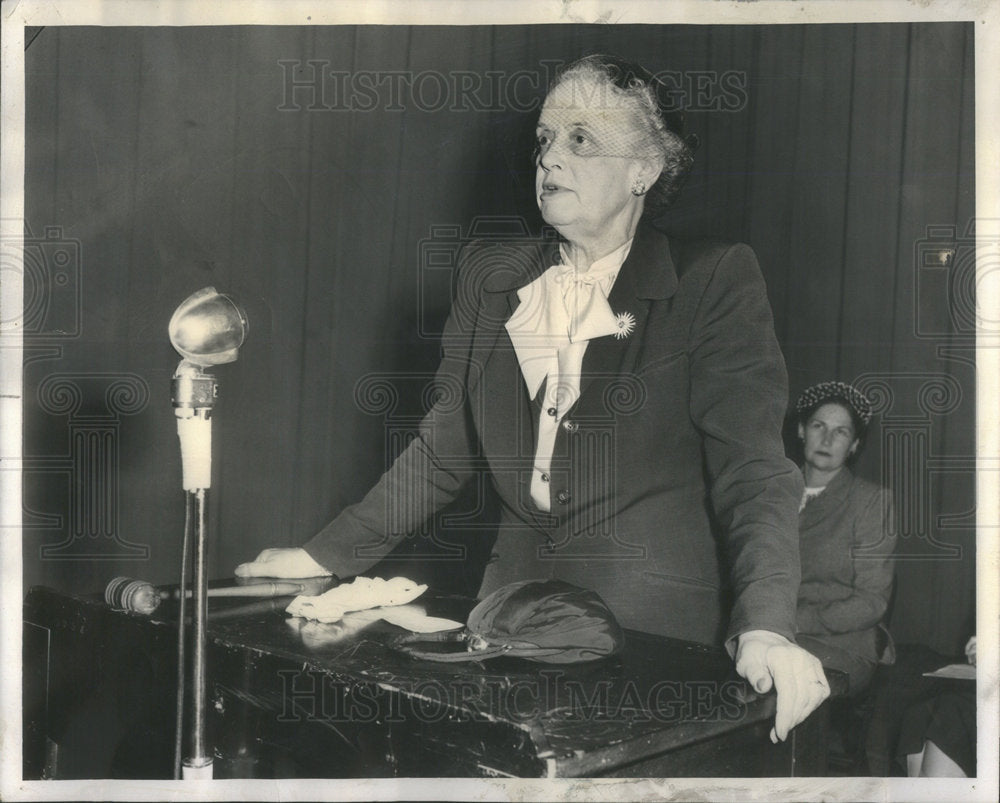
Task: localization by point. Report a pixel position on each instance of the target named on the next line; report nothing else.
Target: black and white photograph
(563, 400)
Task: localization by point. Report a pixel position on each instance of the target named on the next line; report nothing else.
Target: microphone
(138, 596)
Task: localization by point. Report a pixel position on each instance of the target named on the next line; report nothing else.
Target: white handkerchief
(359, 595)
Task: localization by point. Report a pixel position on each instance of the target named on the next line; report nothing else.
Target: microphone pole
(193, 396)
(207, 329)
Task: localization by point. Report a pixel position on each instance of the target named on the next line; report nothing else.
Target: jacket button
(570, 426)
(563, 497)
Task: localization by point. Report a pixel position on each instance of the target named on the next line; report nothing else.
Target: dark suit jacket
(671, 494)
(846, 543)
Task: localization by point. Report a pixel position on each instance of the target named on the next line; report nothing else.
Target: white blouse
(808, 494)
(558, 315)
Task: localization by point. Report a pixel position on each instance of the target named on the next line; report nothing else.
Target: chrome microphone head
(208, 328)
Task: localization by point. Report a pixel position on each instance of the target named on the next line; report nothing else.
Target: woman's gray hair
(664, 137)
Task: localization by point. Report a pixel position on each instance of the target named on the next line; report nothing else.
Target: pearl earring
(639, 188)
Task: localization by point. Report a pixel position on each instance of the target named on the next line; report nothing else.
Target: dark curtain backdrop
(162, 160)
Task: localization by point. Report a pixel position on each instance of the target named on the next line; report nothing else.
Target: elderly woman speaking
(625, 394)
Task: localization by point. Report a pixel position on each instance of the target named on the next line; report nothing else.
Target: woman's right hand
(291, 562)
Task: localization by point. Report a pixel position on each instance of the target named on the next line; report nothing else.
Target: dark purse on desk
(541, 620)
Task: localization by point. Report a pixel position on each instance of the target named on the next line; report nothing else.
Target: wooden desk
(294, 699)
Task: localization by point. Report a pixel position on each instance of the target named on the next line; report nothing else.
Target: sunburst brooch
(625, 321)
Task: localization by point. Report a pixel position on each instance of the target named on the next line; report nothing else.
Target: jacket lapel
(507, 408)
(508, 420)
(647, 275)
(833, 497)
(508, 416)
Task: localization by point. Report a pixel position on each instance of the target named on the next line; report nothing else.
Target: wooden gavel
(138, 596)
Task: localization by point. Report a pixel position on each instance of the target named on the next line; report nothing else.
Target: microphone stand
(207, 329)
(193, 395)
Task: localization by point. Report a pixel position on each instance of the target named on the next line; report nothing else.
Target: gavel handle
(255, 590)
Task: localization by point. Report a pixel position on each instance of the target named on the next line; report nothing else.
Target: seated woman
(846, 536)
(938, 736)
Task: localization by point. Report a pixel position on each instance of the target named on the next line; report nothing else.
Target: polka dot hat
(840, 391)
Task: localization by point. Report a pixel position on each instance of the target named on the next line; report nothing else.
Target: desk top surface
(658, 693)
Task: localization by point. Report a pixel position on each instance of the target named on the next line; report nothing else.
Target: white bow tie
(561, 307)
(585, 303)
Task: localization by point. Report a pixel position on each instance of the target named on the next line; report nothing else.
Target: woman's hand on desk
(767, 660)
(286, 562)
